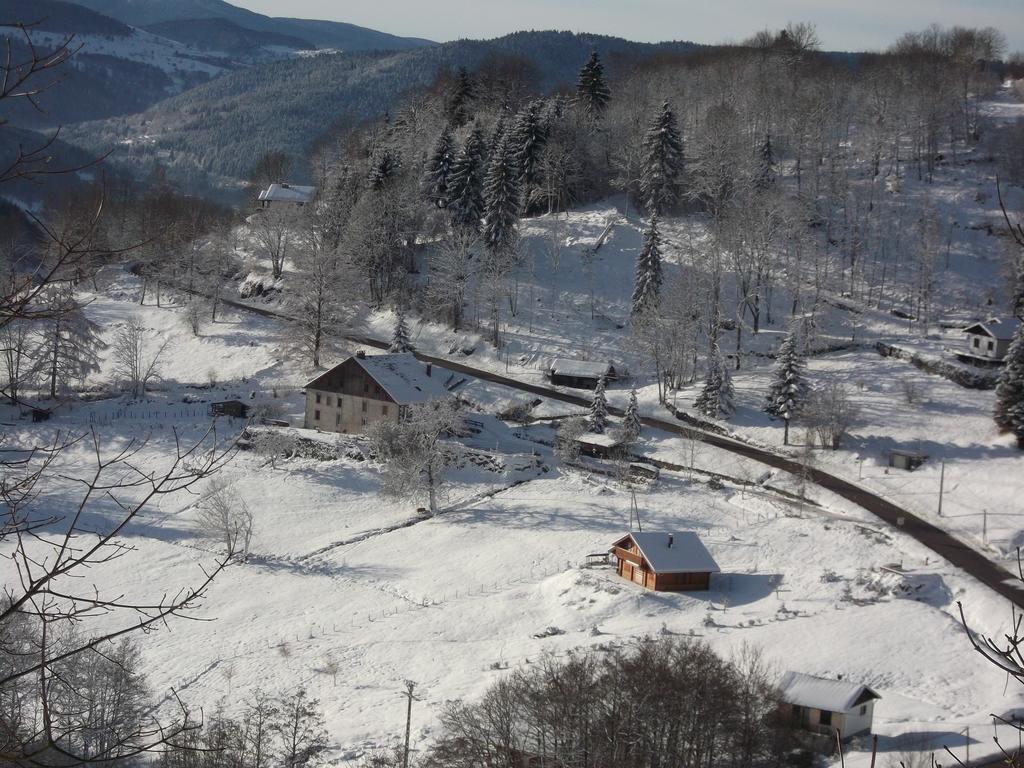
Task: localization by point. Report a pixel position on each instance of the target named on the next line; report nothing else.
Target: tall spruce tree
(764, 178)
(662, 162)
(716, 398)
(647, 284)
(631, 425)
(598, 420)
(384, 168)
(789, 387)
(592, 94)
(400, 335)
(462, 93)
(501, 198)
(1009, 411)
(466, 183)
(528, 137)
(439, 169)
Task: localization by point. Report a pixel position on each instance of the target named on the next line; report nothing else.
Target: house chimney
(670, 541)
(361, 354)
(430, 369)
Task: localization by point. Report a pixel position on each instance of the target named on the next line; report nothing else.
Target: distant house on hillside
(282, 195)
(581, 374)
(825, 706)
(369, 388)
(989, 342)
(665, 562)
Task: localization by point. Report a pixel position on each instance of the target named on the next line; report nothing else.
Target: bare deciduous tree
(225, 517)
(137, 361)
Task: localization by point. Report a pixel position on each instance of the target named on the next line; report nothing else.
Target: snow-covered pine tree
(765, 175)
(439, 169)
(598, 409)
(647, 284)
(789, 388)
(501, 198)
(663, 162)
(631, 422)
(592, 94)
(384, 167)
(400, 335)
(461, 95)
(1009, 411)
(716, 399)
(528, 137)
(465, 184)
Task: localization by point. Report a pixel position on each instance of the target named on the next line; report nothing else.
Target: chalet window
(863, 709)
(316, 415)
(364, 406)
(384, 410)
(328, 401)
(990, 345)
(826, 717)
(318, 398)
(977, 343)
(366, 386)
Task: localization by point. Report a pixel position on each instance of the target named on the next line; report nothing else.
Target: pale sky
(842, 24)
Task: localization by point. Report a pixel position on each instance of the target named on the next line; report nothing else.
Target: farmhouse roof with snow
(287, 193)
(671, 552)
(1001, 329)
(404, 378)
(583, 369)
(822, 693)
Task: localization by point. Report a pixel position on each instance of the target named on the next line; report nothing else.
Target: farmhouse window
(364, 406)
(384, 410)
(316, 415)
(990, 346)
(977, 343)
(826, 717)
(318, 398)
(337, 419)
(328, 401)
(863, 709)
(366, 386)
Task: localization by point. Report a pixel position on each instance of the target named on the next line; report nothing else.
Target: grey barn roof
(822, 693)
(998, 328)
(287, 193)
(584, 369)
(673, 552)
(402, 376)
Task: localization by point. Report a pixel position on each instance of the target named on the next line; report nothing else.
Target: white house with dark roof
(665, 561)
(365, 389)
(286, 195)
(827, 706)
(989, 341)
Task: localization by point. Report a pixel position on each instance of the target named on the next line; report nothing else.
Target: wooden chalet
(600, 446)
(580, 374)
(235, 408)
(988, 342)
(665, 562)
(824, 706)
(369, 388)
(285, 195)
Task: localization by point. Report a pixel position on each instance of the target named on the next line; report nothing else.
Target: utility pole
(942, 484)
(410, 686)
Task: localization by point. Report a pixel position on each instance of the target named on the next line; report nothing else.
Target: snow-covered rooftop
(822, 693)
(405, 379)
(998, 328)
(605, 440)
(581, 368)
(673, 552)
(287, 193)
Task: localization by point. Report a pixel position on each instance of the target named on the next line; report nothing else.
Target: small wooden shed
(820, 705)
(665, 561)
(580, 374)
(603, 446)
(908, 460)
(235, 408)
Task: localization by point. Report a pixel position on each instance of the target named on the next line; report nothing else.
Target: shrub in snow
(830, 413)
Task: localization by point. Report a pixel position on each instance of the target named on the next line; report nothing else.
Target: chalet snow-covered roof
(287, 193)
(672, 552)
(822, 693)
(405, 379)
(583, 369)
(998, 328)
(605, 440)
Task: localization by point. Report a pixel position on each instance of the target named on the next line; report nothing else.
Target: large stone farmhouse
(369, 388)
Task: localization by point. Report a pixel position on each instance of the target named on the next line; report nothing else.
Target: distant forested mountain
(223, 127)
(319, 34)
(226, 36)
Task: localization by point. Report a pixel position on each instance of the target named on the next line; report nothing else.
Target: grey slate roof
(998, 328)
(687, 554)
(287, 193)
(584, 369)
(401, 375)
(822, 693)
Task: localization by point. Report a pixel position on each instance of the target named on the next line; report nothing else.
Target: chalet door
(638, 576)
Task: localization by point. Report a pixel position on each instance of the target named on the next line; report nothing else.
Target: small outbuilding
(665, 562)
(235, 408)
(603, 446)
(988, 342)
(285, 195)
(908, 460)
(580, 374)
(824, 706)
